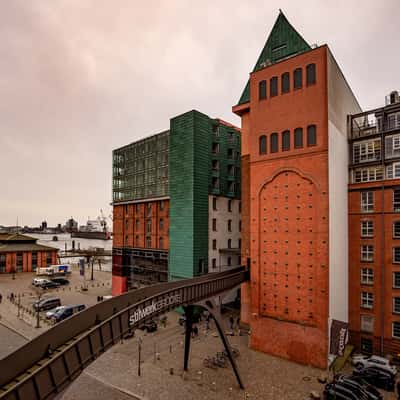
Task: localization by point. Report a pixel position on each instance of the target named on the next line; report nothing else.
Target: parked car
(46, 304)
(148, 326)
(39, 281)
(336, 391)
(362, 361)
(377, 377)
(60, 281)
(50, 313)
(49, 285)
(360, 388)
(370, 388)
(67, 312)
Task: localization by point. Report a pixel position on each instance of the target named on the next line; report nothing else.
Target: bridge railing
(49, 362)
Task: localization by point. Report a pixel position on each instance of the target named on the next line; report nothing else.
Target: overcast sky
(79, 78)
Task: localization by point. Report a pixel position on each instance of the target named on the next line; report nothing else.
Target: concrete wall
(341, 102)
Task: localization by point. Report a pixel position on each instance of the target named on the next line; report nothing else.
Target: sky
(79, 78)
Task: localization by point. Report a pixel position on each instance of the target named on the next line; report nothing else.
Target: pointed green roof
(283, 42)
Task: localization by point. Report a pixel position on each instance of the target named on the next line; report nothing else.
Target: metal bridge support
(188, 333)
(215, 313)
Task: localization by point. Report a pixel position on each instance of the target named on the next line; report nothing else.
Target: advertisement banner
(339, 337)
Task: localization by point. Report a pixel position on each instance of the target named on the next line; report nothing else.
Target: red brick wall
(11, 260)
(289, 218)
(383, 267)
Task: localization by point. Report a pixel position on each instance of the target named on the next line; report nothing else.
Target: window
(393, 171)
(396, 199)
(310, 72)
(367, 276)
(148, 226)
(285, 82)
(137, 224)
(366, 346)
(396, 229)
(298, 78)
(161, 243)
(229, 261)
(49, 258)
(240, 225)
(34, 261)
(214, 263)
(137, 240)
(137, 208)
(367, 323)
(396, 329)
(367, 252)
(263, 144)
(231, 170)
(126, 209)
(215, 165)
(285, 140)
(214, 224)
(215, 183)
(396, 255)
(229, 243)
(240, 245)
(149, 210)
(396, 280)
(393, 121)
(396, 305)
(367, 201)
(148, 242)
(126, 223)
(367, 300)
(161, 224)
(262, 90)
(214, 203)
(232, 187)
(229, 225)
(215, 130)
(396, 142)
(161, 205)
(311, 135)
(367, 228)
(215, 148)
(273, 86)
(2, 263)
(214, 244)
(298, 138)
(273, 142)
(367, 151)
(370, 174)
(230, 205)
(230, 154)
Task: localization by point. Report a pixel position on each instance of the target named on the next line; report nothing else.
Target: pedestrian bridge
(47, 364)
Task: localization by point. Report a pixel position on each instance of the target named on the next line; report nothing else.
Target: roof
(20, 247)
(283, 42)
(16, 237)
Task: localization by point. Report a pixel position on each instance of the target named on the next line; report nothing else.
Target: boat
(94, 229)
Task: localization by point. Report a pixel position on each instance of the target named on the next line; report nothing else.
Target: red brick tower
(294, 196)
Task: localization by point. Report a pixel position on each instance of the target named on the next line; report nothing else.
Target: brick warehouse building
(294, 194)
(21, 253)
(176, 203)
(374, 228)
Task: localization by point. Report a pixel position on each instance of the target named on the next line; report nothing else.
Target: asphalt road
(9, 341)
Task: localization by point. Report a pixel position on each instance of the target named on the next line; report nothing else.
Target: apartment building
(294, 196)
(176, 203)
(374, 228)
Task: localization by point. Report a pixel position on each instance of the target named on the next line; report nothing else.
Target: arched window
(285, 82)
(285, 140)
(263, 144)
(311, 135)
(310, 71)
(298, 78)
(229, 243)
(273, 142)
(262, 90)
(273, 86)
(298, 138)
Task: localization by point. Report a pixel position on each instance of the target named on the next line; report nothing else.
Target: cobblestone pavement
(23, 321)
(9, 340)
(265, 377)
